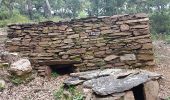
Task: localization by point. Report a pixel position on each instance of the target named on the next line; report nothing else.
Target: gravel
(38, 89)
(162, 54)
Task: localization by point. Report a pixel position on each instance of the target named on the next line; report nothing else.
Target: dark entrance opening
(138, 92)
(59, 66)
(62, 69)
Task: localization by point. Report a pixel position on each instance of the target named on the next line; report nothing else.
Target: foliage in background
(16, 18)
(160, 23)
(23, 11)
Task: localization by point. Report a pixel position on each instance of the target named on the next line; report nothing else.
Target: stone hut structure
(90, 43)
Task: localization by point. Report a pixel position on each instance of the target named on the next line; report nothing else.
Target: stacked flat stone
(97, 42)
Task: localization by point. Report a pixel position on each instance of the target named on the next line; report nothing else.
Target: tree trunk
(10, 7)
(47, 9)
(0, 2)
(29, 9)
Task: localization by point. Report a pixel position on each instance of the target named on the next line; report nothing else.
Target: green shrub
(56, 19)
(73, 94)
(54, 74)
(1, 86)
(58, 94)
(168, 98)
(4, 15)
(16, 80)
(24, 79)
(6, 19)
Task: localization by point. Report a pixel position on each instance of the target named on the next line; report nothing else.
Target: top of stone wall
(115, 18)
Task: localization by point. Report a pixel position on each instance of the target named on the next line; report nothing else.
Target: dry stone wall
(97, 42)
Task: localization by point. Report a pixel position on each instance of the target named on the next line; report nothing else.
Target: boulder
(20, 67)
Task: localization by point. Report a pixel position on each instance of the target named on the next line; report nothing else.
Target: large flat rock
(96, 73)
(109, 85)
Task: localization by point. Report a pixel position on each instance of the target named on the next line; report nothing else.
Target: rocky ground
(162, 53)
(43, 89)
(38, 89)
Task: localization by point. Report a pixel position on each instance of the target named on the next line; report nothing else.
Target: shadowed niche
(138, 92)
(62, 69)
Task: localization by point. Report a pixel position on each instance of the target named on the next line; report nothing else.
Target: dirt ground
(41, 89)
(162, 54)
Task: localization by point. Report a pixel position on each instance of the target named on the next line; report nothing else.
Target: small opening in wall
(62, 69)
(138, 92)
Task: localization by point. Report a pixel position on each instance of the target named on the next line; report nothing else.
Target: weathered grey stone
(88, 57)
(139, 26)
(88, 24)
(21, 67)
(108, 85)
(63, 27)
(69, 30)
(124, 27)
(106, 31)
(90, 65)
(145, 57)
(68, 40)
(110, 57)
(133, 21)
(151, 89)
(53, 34)
(147, 46)
(100, 44)
(121, 34)
(129, 96)
(65, 56)
(73, 81)
(99, 54)
(127, 57)
(77, 51)
(88, 93)
(106, 98)
(105, 28)
(73, 36)
(96, 73)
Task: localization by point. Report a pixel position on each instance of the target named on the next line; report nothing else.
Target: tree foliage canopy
(40, 10)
